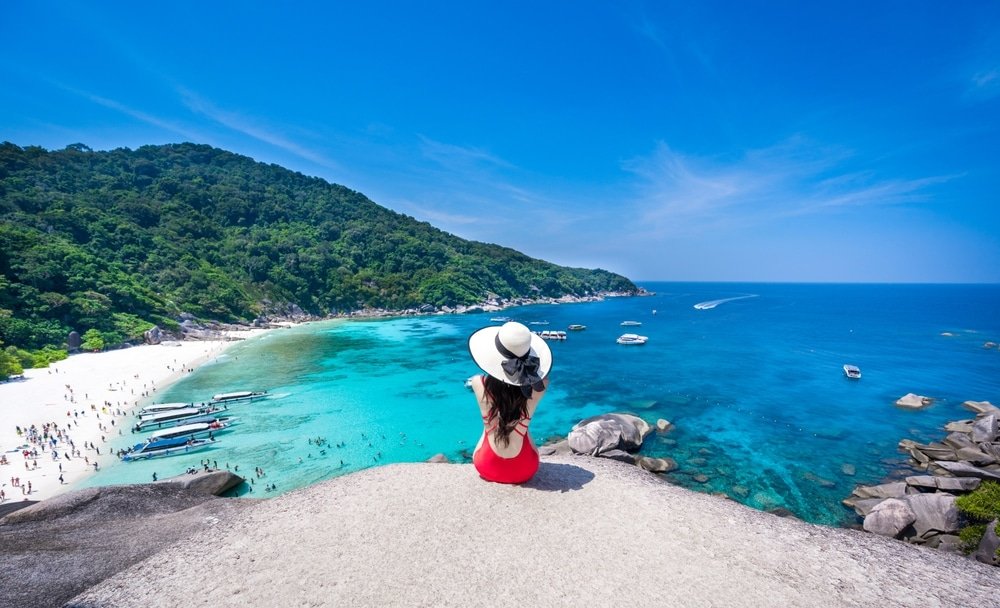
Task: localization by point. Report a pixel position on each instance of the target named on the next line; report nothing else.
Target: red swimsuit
(518, 469)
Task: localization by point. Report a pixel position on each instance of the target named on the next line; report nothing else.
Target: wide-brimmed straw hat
(511, 353)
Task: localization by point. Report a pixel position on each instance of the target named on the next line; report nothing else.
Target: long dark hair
(508, 405)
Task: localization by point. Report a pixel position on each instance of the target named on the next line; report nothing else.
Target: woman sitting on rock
(517, 363)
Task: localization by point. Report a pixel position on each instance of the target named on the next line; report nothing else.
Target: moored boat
(158, 408)
(166, 447)
(632, 339)
(195, 430)
(631, 323)
(552, 334)
(171, 418)
(576, 327)
(852, 371)
(237, 396)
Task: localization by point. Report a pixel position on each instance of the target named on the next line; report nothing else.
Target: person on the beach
(517, 363)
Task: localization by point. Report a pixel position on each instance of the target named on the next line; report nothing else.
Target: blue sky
(747, 141)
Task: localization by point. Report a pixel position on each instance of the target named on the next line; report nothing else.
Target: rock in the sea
(848, 469)
(439, 457)
(981, 407)
(215, 483)
(913, 401)
(864, 506)
(975, 456)
(701, 478)
(662, 425)
(987, 550)
(153, 335)
(959, 426)
(896, 489)
(741, 491)
(986, 429)
(656, 465)
(597, 434)
(558, 447)
(964, 469)
(889, 518)
(619, 455)
(934, 513)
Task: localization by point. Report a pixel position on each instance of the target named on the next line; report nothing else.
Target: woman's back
(517, 364)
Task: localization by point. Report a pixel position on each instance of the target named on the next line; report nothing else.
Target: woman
(517, 363)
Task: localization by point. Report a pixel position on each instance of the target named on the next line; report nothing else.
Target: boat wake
(709, 305)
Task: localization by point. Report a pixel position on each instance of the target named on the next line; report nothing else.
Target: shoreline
(80, 399)
(86, 400)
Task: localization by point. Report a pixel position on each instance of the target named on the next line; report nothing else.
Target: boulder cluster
(616, 436)
(921, 508)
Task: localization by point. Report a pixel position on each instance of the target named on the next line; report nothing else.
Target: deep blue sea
(752, 379)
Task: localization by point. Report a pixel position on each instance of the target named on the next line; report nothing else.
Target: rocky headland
(585, 531)
(922, 509)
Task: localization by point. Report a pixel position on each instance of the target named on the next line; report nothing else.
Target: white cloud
(681, 194)
(252, 128)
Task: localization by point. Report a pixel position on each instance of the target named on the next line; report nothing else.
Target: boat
(171, 418)
(852, 371)
(209, 418)
(158, 408)
(631, 323)
(552, 334)
(500, 319)
(166, 447)
(632, 339)
(538, 322)
(577, 327)
(191, 431)
(237, 396)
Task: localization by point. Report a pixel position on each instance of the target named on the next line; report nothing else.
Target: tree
(92, 341)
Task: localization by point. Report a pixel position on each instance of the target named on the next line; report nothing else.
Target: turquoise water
(752, 380)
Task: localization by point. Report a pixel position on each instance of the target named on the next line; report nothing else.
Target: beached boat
(575, 327)
(171, 418)
(214, 416)
(195, 430)
(632, 339)
(159, 408)
(852, 371)
(631, 323)
(237, 396)
(166, 447)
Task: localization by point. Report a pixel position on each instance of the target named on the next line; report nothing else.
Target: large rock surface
(981, 407)
(425, 535)
(913, 401)
(934, 513)
(598, 434)
(56, 548)
(889, 518)
(986, 429)
(988, 546)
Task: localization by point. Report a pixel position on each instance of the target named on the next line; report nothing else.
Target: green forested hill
(114, 240)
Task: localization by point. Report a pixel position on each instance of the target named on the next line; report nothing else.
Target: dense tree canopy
(117, 241)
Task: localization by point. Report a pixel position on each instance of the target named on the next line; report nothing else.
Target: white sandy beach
(82, 396)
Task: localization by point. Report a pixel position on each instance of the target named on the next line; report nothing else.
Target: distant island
(111, 243)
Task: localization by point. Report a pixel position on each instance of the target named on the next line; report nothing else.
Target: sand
(584, 532)
(82, 386)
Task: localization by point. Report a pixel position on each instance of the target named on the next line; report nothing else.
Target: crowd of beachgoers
(56, 422)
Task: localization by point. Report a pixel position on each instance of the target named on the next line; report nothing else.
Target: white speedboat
(159, 408)
(632, 339)
(196, 430)
(552, 335)
(237, 396)
(631, 323)
(852, 371)
(166, 447)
